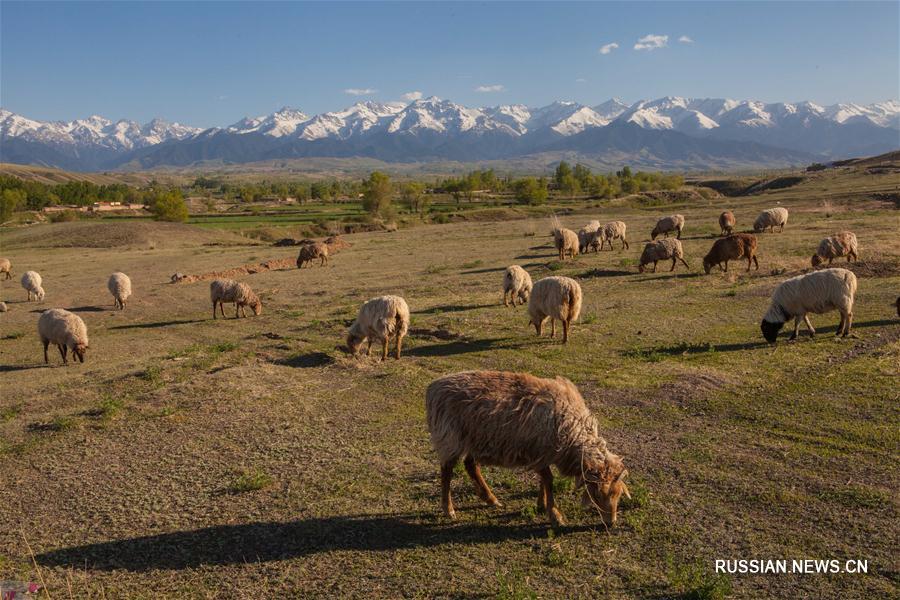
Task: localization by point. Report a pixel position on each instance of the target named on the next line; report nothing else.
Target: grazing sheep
(817, 292)
(614, 230)
(835, 246)
(518, 420)
(726, 222)
(667, 225)
(379, 319)
(516, 285)
(770, 219)
(566, 242)
(119, 285)
(176, 277)
(31, 281)
(310, 252)
(733, 247)
(64, 329)
(587, 236)
(662, 250)
(5, 268)
(228, 290)
(556, 298)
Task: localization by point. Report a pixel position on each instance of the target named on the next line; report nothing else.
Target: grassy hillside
(49, 175)
(199, 458)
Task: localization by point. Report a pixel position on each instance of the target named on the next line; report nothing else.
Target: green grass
(250, 481)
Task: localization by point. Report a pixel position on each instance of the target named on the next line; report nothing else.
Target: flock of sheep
(516, 419)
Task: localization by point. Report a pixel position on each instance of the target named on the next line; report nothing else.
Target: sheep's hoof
(557, 519)
(450, 514)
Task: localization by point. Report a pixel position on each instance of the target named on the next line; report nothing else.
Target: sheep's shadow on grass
(89, 309)
(479, 271)
(306, 361)
(671, 275)
(827, 331)
(462, 347)
(445, 308)
(11, 368)
(158, 324)
(275, 541)
(593, 273)
(524, 256)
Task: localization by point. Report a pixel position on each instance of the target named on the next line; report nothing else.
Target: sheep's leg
(446, 477)
(684, 262)
(654, 265)
(506, 300)
(369, 349)
(222, 307)
(384, 348)
(46, 345)
(64, 350)
(678, 237)
(726, 266)
(399, 344)
(796, 327)
(542, 495)
(565, 332)
(624, 244)
(547, 479)
(756, 262)
(481, 486)
(539, 326)
(847, 322)
(237, 308)
(674, 260)
(552, 327)
(214, 310)
(809, 327)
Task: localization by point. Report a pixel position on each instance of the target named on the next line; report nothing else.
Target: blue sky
(212, 63)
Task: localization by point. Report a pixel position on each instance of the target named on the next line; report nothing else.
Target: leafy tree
(530, 190)
(377, 194)
(563, 170)
(413, 195)
(10, 202)
(169, 206)
(583, 176)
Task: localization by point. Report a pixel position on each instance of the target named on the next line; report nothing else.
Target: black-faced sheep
(310, 252)
(379, 319)
(228, 290)
(662, 250)
(733, 247)
(566, 242)
(5, 268)
(726, 222)
(770, 219)
(64, 329)
(518, 420)
(817, 292)
(667, 225)
(614, 230)
(556, 298)
(31, 281)
(516, 285)
(119, 286)
(835, 246)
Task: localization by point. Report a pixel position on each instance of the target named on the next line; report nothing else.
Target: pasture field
(199, 458)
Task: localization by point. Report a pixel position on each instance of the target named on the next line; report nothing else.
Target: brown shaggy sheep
(310, 252)
(726, 223)
(837, 245)
(518, 420)
(733, 247)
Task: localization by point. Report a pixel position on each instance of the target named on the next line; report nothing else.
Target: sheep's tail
(574, 304)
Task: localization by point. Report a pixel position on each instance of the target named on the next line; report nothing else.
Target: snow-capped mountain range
(432, 128)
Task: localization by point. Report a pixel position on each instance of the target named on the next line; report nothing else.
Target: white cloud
(490, 88)
(412, 96)
(607, 48)
(652, 42)
(359, 91)
(581, 80)
(685, 40)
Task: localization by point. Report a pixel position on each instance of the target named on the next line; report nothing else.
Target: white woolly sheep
(518, 420)
(770, 219)
(614, 230)
(817, 292)
(310, 252)
(516, 285)
(587, 237)
(119, 286)
(566, 242)
(726, 222)
(64, 329)
(5, 268)
(835, 246)
(556, 298)
(31, 281)
(662, 250)
(228, 290)
(667, 225)
(379, 319)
